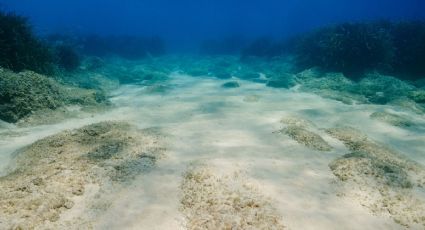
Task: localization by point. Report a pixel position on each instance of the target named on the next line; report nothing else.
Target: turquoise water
(212, 115)
(235, 134)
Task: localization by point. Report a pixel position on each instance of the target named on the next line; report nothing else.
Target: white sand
(229, 130)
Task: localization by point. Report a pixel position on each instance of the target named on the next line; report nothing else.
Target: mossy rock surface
(52, 172)
(230, 84)
(379, 178)
(281, 81)
(27, 92)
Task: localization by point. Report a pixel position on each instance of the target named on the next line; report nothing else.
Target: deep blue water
(185, 23)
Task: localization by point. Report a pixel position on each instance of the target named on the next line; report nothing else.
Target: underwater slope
(246, 156)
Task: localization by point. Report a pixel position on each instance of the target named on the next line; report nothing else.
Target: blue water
(212, 114)
(183, 24)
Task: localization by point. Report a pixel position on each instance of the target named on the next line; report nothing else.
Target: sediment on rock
(212, 201)
(379, 178)
(392, 119)
(297, 129)
(53, 171)
(23, 94)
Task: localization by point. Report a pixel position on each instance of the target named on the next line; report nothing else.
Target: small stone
(231, 84)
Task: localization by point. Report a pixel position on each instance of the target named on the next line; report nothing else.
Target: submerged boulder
(231, 84)
(379, 178)
(392, 119)
(211, 200)
(53, 171)
(299, 130)
(25, 93)
(282, 81)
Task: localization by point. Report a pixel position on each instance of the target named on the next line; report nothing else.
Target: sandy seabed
(251, 157)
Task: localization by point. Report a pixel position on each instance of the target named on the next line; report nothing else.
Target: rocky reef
(384, 181)
(213, 201)
(51, 176)
(298, 130)
(23, 94)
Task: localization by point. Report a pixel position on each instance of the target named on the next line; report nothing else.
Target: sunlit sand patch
(380, 179)
(53, 175)
(211, 200)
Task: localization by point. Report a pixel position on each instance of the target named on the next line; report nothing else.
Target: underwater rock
(381, 89)
(373, 88)
(334, 86)
(307, 138)
(27, 92)
(231, 84)
(408, 104)
(283, 81)
(418, 96)
(392, 119)
(211, 201)
(297, 129)
(315, 79)
(51, 172)
(379, 178)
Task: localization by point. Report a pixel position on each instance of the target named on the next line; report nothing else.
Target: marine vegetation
(67, 57)
(350, 48)
(355, 48)
(27, 92)
(20, 48)
(409, 41)
(37, 192)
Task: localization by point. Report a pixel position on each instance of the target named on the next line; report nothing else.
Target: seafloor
(216, 143)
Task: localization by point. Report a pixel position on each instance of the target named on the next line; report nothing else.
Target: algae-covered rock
(392, 119)
(281, 81)
(380, 178)
(231, 84)
(27, 92)
(23, 93)
(307, 138)
(418, 96)
(298, 130)
(53, 171)
(380, 89)
(212, 201)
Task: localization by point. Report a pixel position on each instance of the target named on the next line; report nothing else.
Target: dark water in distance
(183, 24)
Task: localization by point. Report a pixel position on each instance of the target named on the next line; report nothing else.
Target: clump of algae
(379, 178)
(52, 172)
(212, 201)
(298, 130)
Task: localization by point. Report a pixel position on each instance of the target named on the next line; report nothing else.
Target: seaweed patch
(379, 178)
(213, 201)
(53, 171)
